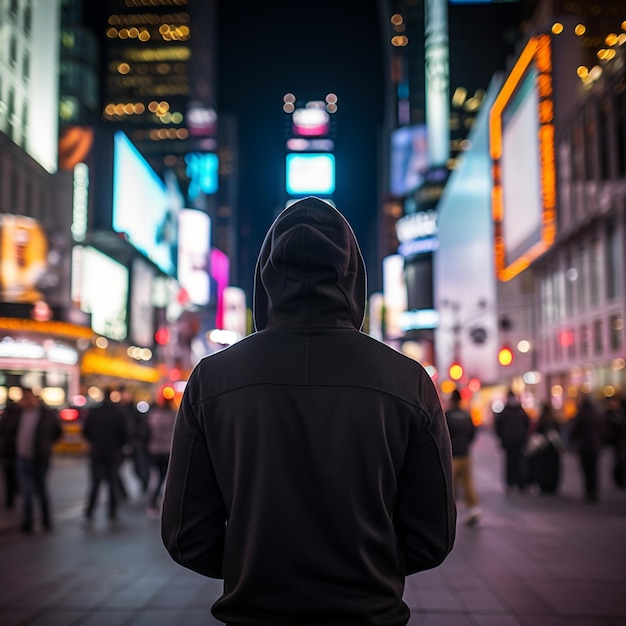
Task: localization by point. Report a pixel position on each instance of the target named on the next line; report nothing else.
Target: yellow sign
(99, 362)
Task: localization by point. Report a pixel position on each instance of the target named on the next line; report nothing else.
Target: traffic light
(455, 371)
(162, 336)
(168, 392)
(505, 356)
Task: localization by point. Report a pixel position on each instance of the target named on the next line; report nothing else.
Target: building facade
(547, 172)
(439, 73)
(580, 285)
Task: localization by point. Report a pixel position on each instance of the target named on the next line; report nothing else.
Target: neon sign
(536, 57)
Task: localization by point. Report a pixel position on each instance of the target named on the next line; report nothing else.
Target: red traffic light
(162, 336)
(69, 414)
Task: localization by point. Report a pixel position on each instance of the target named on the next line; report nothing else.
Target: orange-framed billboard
(521, 145)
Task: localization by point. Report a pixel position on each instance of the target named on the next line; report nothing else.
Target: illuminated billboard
(141, 311)
(409, 159)
(194, 229)
(100, 287)
(310, 173)
(311, 121)
(521, 145)
(203, 172)
(36, 111)
(23, 258)
(220, 273)
(145, 209)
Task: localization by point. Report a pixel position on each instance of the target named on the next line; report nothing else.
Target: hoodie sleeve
(425, 513)
(193, 521)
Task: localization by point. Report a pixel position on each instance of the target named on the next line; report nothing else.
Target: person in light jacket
(160, 420)
(311, 464)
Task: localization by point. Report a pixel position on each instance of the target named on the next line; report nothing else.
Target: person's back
(160, 421)
(462, 434)
(587, 428)
(324, 454)
(462, 429)
(587, 437)
(105, 429)
(512, 424)
(543, 451)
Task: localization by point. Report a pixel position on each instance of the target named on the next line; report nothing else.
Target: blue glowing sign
(202, 170)
(310, 173)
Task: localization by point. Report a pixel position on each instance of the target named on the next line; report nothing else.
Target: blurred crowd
(119, 433)
(533, 449)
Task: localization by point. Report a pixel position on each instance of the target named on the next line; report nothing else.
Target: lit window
(616, 330)
(557, 28)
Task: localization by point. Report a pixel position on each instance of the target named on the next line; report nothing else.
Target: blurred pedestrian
(8, 459)
(136, 449)
(311, 465)
(32, 428)
(616, 438)
(161, 424)
(105, 429)
(462, 433)
(544, 450)
(511, 426)
(586, 436)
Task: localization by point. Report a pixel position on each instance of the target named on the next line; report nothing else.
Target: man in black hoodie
(311, 464)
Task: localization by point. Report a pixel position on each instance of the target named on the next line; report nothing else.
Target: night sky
(309, 48)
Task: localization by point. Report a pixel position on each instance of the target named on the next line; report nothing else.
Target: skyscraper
(159, 76)
(440, 68)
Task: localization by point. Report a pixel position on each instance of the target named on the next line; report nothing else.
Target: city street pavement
(532, 560)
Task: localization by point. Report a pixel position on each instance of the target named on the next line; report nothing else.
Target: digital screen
(23, 258)
(409, 159)
(101, 288)
(312, 121)
(141, 311)
(202, 170)
(39, 119)
(220, 273)
(144, 209)
(235, 314)
(521, 176)
(310, 173)
(193, 255)
(394, 294)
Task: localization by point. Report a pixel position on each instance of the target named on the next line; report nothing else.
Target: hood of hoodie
(310, 270)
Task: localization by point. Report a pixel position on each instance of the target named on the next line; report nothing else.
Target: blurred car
(72, 440)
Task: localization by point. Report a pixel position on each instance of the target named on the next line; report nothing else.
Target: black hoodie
(311, 464)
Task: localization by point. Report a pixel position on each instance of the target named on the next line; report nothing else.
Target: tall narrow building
(159, 75)
(440, 69)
